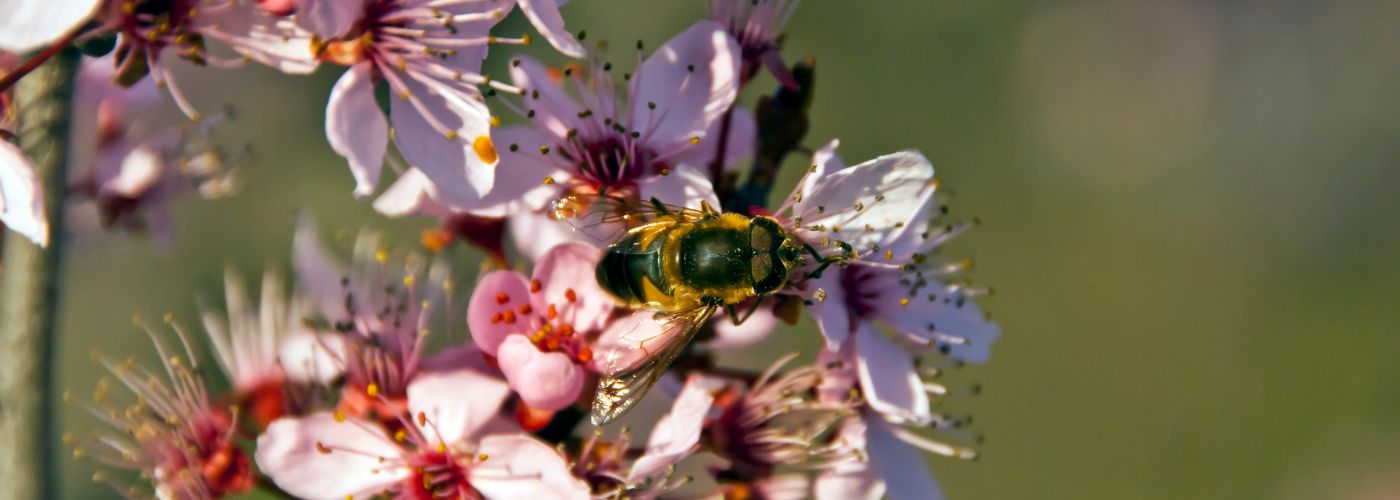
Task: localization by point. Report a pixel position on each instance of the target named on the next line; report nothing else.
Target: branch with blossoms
(632, 245)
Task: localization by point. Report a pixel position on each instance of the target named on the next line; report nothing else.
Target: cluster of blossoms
(364, 381)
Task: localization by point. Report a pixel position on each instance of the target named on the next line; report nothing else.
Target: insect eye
(761, 266)
(760, 238)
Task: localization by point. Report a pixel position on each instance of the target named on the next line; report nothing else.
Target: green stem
(28, 289)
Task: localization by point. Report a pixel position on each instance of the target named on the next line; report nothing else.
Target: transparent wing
(626, 379)
(604, 217)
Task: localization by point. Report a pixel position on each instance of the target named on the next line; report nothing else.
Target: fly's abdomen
(633, 277)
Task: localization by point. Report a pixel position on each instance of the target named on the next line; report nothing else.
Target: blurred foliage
(1189, 222)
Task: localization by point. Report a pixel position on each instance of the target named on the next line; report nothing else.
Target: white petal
(410, 194)
(903, 467)
(871, 203)
(329, 18)
(356, 127)
(274, 41)
(888, 378)
(30, 24)
(141, 168)
(685, 186)
(687, 102)
(452, 163)
(535, 233)
(288, 453)
(518, 466)
(555, 111)
(937, 320)
(308, 357)
(829, 308)
(824, 161)
(520, 184)
(678, 433)
(544, 14)
(456, 403)
(21, 196)
(319, 274)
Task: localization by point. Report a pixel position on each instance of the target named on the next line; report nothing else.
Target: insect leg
(734, 313)
(660, 207)
(847, 253)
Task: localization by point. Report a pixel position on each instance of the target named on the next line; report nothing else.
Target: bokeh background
(1190, 219)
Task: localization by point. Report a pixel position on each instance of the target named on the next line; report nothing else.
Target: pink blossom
(669, 118)
(167, 428)
(758, 27)
(430, 55)
(882, 211)
(539, 329)
(442, 447)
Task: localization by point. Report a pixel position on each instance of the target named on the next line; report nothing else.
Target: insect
(684, 264)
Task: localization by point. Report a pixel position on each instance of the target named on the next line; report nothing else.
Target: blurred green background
(1189, 217)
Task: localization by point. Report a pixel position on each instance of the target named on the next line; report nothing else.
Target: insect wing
(602, 218)
(643, 353)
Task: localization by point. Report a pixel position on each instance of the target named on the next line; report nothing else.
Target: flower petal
(268, 39)
(569, 280)
(547, 381)
(330, 18)
(463, 164)
(319, 274)
(497, 293)
(534, 233)
(522, 184)
(754, 329)
(410, 194)
(31, 24)
(688, 102)
(888, 378)
(288, 453)
(902, 466)
(872, 203)
(310, 357)
(829, 308)
(21, 196)
(743, 138)
(824, 160)
(356, 127)
(677, 434)
(953, 323)
(544, 14)
(555, 111)
(456, 403)
(520, 466)
(685, 186)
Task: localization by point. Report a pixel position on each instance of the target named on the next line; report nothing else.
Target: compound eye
(760, 238)
(761, 266)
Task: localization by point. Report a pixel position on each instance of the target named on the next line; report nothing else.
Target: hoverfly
(684, 264)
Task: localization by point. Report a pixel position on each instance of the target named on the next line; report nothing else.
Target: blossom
(430, 57)
(758, 27)
(150, 32)
(21, 196)
(169, 430)
(539, 329)
(443, 447)
(31, 24)
(247, 342)
(670, 117)
(882, 215)
(371, 318)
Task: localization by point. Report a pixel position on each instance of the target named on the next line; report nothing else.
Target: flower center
(861, 294)
(437, 474)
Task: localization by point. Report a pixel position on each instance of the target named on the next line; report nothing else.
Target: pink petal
(784, 487)
(535, 233)
(21, 196)
(319, 274)
(555, 111)
(452, 163)
(902, 466)
(411, 194)
(544, 14)
(888, 378)
(685, 186)
(832, 313)
(330, 18)
(677, 434)
(140, 169)
(824, 160)
(756, 328)
(271, 40)
(569, 280)
(356, 127)
(688, 102)
(619, 346)
(521, 185)
(743, 138)
(904, 180)
(520, 466)
(486, 312)
(935, 321)
(32, 24)
(287, 452)
(853, 478)
(456, 403)
(309, 357)
(547, 381)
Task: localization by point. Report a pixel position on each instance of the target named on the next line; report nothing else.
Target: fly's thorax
(718, 257)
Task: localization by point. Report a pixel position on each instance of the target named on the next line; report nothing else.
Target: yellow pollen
(403, 94)
(549, 180)
(372, 390)
(525, 40)
(408, 280)
(889, 254)
(482, 457)
(400, 435)
(451, 134)
(485, 149)
(695, 140)
(904, 302)
(442, 448)
(381, 256)
(495, 121)
(339, 416)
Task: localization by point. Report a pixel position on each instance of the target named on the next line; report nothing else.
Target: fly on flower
(683, 264)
